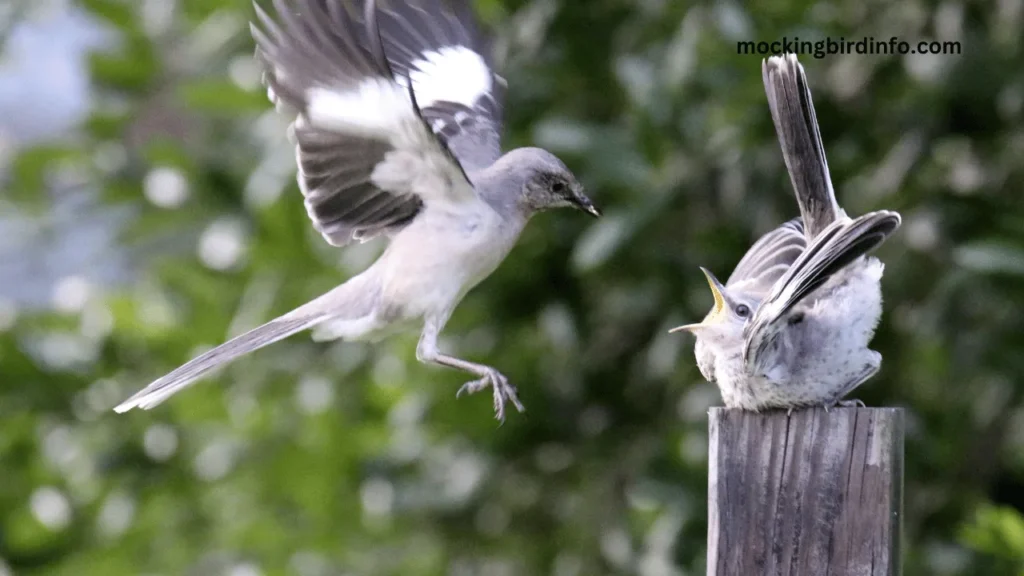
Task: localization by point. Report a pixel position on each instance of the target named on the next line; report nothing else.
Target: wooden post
(811, 494)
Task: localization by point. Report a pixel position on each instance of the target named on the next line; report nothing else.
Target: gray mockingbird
(397, 134)
(791, 326)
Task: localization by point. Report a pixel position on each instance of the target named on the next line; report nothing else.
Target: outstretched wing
(836, 247)
(436, 45)
(370, 155)
(768, 259)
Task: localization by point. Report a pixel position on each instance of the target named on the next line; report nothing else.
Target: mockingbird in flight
(397, 134)
(791, 326)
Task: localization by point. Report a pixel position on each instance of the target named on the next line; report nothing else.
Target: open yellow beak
(715, 314)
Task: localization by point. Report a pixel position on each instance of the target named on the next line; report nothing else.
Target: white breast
(442, 254)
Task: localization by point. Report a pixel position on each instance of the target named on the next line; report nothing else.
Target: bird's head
(728, 317)
(549, 183)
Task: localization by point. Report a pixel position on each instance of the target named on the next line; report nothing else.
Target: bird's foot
(502, 390)
(844, 404)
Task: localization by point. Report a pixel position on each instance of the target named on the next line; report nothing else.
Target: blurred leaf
(120, 14)
(31, 168)
(106, 126)
(997, 530)
(133, 67)
(991, 256)
(221, 97)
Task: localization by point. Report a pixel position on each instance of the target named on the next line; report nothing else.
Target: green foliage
(307, 459)
(998, 531)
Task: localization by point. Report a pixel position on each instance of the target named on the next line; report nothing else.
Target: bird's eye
(742, 311)
(558, 187)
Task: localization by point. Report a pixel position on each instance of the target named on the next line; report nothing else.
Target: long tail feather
(797, 127)
(196, 368)
(354, 299)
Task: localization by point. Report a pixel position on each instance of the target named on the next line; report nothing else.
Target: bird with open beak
(790, 327)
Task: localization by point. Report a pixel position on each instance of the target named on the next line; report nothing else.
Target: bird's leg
(843, 404)
(871, 366)
(427, 352)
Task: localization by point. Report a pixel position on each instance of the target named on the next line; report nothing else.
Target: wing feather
(369, 157)
(838, 245)
(768, 259)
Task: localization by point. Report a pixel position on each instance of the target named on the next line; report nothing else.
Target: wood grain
(815, 493)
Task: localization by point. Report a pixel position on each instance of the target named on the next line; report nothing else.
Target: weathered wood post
(811, 494)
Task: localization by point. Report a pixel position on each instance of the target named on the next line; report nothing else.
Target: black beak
(584, 204)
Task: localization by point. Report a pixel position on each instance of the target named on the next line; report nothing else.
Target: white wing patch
(419, 166)
(450, 74)
(377, 109)
(381, 109)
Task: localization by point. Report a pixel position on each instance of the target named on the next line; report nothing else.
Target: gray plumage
(789, 99)
(768, 259)
(791, 326)
(397, 134)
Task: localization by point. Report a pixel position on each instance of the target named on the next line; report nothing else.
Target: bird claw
(844, 404)
(502, 390)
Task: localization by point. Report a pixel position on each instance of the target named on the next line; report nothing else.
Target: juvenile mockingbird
(397, 134)
(790, 328)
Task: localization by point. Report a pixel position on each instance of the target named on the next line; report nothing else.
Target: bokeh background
(148, 210)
